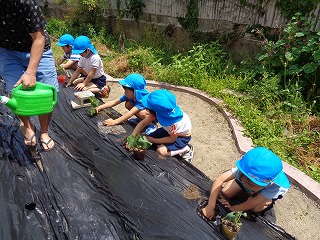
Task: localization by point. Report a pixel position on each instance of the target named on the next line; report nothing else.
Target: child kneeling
(91, 67)
(257, 177)
(134, 90)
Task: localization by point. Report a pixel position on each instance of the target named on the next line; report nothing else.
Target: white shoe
(188, 155)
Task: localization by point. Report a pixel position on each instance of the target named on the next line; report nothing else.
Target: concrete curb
(243, 143)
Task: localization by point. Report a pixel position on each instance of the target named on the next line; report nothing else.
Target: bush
(57, 27)
(295, 57)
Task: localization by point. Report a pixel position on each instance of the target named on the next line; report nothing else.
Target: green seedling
(138, 142)
(235, 217)
(94, 103)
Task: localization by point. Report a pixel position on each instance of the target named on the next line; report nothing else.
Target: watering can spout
(10, 103)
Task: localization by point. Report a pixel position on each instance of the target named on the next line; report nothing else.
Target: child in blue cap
(174, 135)
(66, 42)
(258, 177)
(134, 90)
(91, 66)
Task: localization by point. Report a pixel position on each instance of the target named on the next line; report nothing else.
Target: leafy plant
(138, 142)
(94, 103)
(231, 224)
(288, 9)
(190, 21)
(135, 8)
(86, 17)
(295, 57)
(57, 27)
(203, 61)
(235, 216)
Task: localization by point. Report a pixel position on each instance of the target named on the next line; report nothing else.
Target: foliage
(94, 103)
(295, 57)
(57, 28)
(135, 8)
(86, 17)
(235, 216)
(288, 8)
(159, 43)
(201, 62)
(190, 21)
(139, 142)
(256, 5)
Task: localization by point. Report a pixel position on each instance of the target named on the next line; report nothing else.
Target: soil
(216, 151)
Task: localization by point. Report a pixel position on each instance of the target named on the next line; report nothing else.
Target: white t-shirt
(181, 128)
(92, 61)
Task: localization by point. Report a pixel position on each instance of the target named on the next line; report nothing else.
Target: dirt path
(215, 152)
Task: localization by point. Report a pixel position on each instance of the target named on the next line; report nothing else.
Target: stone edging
(243, 143)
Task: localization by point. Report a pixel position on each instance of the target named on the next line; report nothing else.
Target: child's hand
(150, 139)
(68, 84)
(226, 204)
(126, 146)
(80, 86)
(97, 110)
(208, 213)
(109, 122)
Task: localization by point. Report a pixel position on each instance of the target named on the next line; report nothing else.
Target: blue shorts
(14, 63)
(100, 82)
(180, 143)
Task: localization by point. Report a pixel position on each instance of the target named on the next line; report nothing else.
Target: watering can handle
(55, 96)
(20, 87)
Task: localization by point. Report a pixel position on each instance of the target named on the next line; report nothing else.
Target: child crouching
(257, 177)
(173, 138)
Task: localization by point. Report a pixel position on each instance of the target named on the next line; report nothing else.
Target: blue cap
(65, 39)
(134, 80)
(81, 44)
(139, 94)
(263, 167)
(165, 105)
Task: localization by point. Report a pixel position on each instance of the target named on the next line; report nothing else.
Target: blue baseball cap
(81, 44)
(134, 80)
(263, 167)
(165, 105)
(65, 39)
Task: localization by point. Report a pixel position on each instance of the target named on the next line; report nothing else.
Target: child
(90, 66)
(66, 42)
(258, 177)
(174, 135)
(134, 89)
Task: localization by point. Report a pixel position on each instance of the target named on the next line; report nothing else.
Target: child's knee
(162, 150)
(142, 114)
(231, 189)
(226, 192)
(128, 105)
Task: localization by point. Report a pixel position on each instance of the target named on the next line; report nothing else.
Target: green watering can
(33, 101)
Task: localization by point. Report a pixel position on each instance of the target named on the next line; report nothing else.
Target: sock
(179, 151)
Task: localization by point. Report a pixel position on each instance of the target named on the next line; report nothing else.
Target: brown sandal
(46, 143)
(29, 140)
